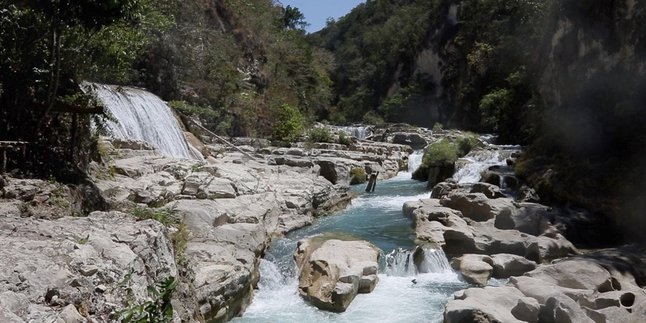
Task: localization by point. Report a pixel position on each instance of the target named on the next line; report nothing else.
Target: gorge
(221, 176)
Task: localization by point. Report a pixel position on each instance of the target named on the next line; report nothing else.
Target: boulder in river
(332, 272)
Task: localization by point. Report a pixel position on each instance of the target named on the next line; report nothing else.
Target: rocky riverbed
(205, 223)
(540, 276)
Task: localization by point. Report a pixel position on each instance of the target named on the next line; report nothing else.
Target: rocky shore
(517, 256)
(204, 223)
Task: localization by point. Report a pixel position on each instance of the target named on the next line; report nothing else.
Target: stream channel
(402, 294)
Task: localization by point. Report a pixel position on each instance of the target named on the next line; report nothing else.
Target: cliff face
(593, 87)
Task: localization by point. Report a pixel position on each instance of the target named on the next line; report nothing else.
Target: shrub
(320, 135)
(373, 118)
(358, 176)
(158, 309)
(288, 123)
(467, 142)
(441, 152)
(437, 127)
(344, 139)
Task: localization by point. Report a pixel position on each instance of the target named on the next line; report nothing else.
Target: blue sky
(317, 11)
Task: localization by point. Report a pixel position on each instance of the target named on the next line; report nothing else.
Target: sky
(317, 11)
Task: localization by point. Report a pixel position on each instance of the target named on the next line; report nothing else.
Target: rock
(489, 190)
(476, 206)
(506, 265)
(88, 270)
(443, 189)
(332, 272)
(489, 304)
(501, 176)
(69, 314)
(573, 273)
(439, 173)
(414, 140)
(527, 310)
(474, 268)
(11, 208)
(562, 309)
(527, 194)
(328, 170)
(51, 258)
(529, 218)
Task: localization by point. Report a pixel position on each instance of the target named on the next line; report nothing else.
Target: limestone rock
(489, 190)
(332, 272)
(530, 218)
(46, 277)
(475, 269)
(506, 265)
(476, 206)
(489, 304)
(414, 140)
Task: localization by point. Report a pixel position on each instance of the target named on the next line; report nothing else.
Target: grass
(166, 216)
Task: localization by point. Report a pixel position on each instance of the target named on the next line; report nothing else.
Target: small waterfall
(403, 262)
(470, 167)
(415, 160)
(359, 132)
(141, 115)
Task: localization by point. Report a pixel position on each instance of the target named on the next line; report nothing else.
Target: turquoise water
(400, 296)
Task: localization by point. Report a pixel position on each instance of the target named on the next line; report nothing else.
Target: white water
(359, 132)
(141, 115)
(469, 168)
(406, 292)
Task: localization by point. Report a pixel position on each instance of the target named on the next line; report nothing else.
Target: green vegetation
(358, 176)
(445, 152)
(322, 134)
(46, 50)
(369, 45)
(159, 309)
(165, 216)
(345, 139)
(289, 123)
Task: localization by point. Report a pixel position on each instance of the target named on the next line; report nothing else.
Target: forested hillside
(238, 66)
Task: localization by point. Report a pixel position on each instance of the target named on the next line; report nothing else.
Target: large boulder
(507, 265)
(477, 206)
(530, 218)
(475, 269)
(332, 272)
(414, 140)
(491, 304)
(489, 190)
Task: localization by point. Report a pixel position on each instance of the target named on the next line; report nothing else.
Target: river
(402, 294)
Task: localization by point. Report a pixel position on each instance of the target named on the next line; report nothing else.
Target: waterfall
(403, 262)
(469, 168)
(141, 115)
(359, 132)
(415, 160)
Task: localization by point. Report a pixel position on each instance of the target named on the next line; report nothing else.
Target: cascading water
(469, 168)
(414, 284)
(141, 115)
(359, 132)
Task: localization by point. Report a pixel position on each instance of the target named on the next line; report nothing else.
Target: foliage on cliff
(46, 49)
(242, 60)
